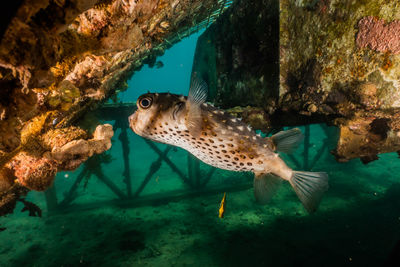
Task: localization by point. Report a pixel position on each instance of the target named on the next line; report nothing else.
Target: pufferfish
(223, 141)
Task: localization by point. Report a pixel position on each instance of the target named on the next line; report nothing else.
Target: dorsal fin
(198, 90)
(197, 96)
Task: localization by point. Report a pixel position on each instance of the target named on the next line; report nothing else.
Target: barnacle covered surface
(336, 62)
(340, 59)
(61, 58)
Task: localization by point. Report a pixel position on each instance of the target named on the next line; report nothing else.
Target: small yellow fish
(222, 207)
(224, 141)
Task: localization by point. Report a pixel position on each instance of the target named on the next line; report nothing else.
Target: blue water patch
(173, 77)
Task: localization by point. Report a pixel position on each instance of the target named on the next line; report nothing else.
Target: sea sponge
(59, 137)
(73, 153)
(33, 172)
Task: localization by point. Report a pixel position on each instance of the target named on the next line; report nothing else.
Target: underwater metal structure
(59, 59)
(196, 182)
(315, 61)
(299, 62)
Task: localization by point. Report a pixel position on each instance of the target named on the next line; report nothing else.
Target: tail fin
(309, 187)
(287, 141)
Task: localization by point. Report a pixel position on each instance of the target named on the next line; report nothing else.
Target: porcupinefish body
(223, 141)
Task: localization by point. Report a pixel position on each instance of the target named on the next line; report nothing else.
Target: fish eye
(145, 102)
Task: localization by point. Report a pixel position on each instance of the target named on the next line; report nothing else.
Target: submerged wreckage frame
(196, 183)
(272, 63)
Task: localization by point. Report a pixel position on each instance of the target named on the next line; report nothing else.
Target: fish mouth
(132, 121)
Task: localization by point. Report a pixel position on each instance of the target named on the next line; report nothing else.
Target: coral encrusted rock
(34, 173)
(60, 59)
(70, 155)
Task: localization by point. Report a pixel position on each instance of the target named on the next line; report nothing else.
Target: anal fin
(265, 187)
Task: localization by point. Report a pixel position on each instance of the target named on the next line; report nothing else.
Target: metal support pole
(169, 162)
(51, 198)
(71, 193)
(123, 138)
(155, 166)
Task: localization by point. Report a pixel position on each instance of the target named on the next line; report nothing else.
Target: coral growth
(6, 179)
(59, 137)
(70, 155)
(33, 172)
(373, 32)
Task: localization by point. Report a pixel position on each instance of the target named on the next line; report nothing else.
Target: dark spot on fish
(251, 156)
(193, 138)
(223, 151)
(231, 139)
(231, 145)
(186, 135)
(211, 141)
(221, 140)
(162, 135)
(241, 164)
(236, 158)
(203, 147)
(186, 131)
(170, 129)
(234, 162)
(166, 123)
(216, 151)
(226, 160)
(249, 164)
(213, 134)
(204, 133)
(218, 157)
(202, 139)
(230, 165)
(199, 142)
(214, 146)
(233, 152)
(221, 145)
(178, 132)
(227, 156)
(243, 156)
(165, 132)
(206, 144)
(160, 125)
(155, 128)
(174, 134)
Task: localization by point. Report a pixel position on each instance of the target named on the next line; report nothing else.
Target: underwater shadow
(362, 235)
(91, 240)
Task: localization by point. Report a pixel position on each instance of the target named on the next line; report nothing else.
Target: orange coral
(33, 172)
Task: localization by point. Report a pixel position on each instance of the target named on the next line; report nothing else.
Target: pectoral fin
(197, 96)
(287, 141)
(265, 187)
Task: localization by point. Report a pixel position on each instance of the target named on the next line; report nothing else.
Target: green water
(357, 222)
